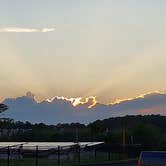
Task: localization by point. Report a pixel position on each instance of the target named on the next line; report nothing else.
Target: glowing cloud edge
(76, 101)
(118, 101)
(81, 101)
(25, 30)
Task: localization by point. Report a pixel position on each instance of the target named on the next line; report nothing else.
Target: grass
(101, 157)
(31, 162)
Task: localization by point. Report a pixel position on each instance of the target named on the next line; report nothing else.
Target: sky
(104, 48)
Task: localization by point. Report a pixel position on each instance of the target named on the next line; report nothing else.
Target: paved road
(124, 163)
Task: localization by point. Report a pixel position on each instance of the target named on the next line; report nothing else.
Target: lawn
(101, 157)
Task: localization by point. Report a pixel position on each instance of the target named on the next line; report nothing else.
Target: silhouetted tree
(3, 107)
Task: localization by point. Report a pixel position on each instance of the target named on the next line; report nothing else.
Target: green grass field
(101, 157)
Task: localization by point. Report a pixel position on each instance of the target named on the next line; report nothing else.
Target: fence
(49, 154)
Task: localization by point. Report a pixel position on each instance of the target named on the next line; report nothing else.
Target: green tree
(147, 135)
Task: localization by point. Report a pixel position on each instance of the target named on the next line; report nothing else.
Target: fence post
(8, 155)
(79, 155)
(58, 155)
(36, 156)
(109, 155)
(95, 153)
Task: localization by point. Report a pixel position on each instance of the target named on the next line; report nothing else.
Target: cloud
(26, 30)
(83, 110)
(48, 29)
(118, 101)
(30, 95)
(89, 101)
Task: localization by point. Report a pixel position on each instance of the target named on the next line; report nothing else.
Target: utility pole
(123, 133)
(132, 140)
(124, 137)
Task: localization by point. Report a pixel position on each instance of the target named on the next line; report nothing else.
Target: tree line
(148, 130)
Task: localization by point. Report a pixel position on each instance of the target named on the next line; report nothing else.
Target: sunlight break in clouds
(118, 101)
(91, 101)
(27, 30)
